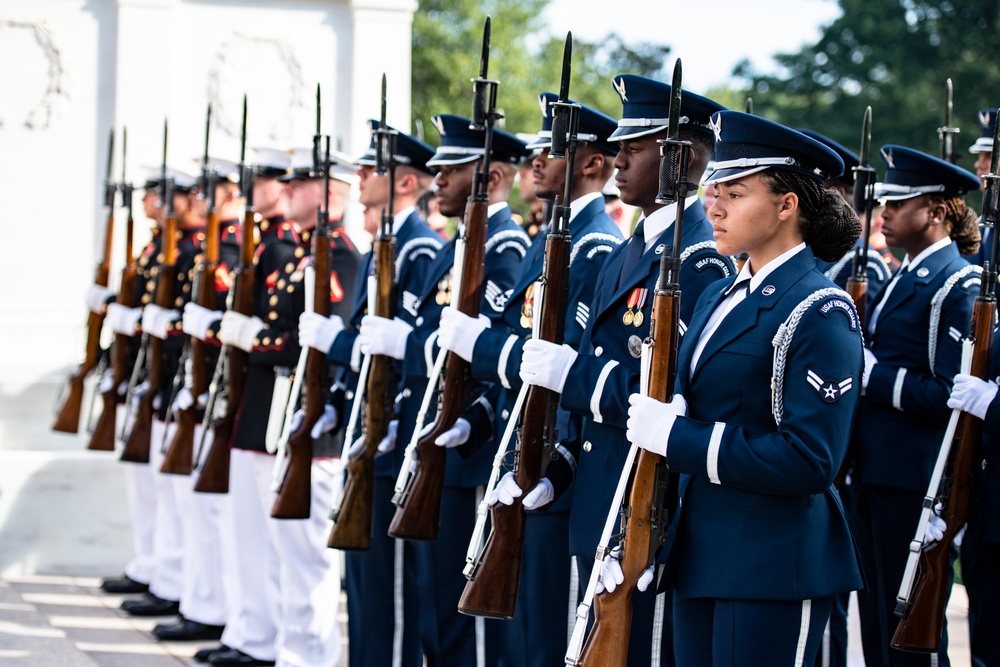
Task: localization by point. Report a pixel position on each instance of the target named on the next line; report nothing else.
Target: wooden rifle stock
(419, 509)
(352, 524)
(922, 617)
(103, 437)
(493, 586)
(179, 459)
(294, 498)
(137, 447)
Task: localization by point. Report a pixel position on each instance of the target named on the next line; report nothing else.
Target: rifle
(214, 470)
(137, 444)
(924, 590)
(103, 437)
(653, 495)
(948, 133)
(178, 459)
(864, 202)
(418, 510)
(352, 520)
(294, 497)
(68, 414)
(493, 580)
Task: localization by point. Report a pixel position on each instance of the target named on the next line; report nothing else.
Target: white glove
(155, 320)
(197, 320)
(326, 422)
(870, 362)
(458, 332)
(239, 330)
(123, 319)
(611, 574)
(106, 383)
(380, 335)
(319, 332)
(507, 490)
(972, 395)
(935, 527)
(457, 435)
(650, 421)
(545, 364)
(389, 441)
(356, 447)
(97, 298)
(185, 399)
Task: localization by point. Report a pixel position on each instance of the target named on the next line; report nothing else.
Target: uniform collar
(400, 218)
(493, 209)
(581, 203)
(662, 219)
(924, 254)
(757, 278)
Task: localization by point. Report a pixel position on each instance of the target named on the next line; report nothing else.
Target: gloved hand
(972, 395)
(197, 320)
(380, 335)
(389, 441)
(326, 422)
(870, 362)
(319, 332)
(545, 364)
(185, 399)
(507, 490)
(97, 298)
(458, 332)
(123, 319)
(106, 383)
(239, 330)
(457, 435)
(356, 447)
(935, 527)
(155, 320)
(650, 421)
(612, 576)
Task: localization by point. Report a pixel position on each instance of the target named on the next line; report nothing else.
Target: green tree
(896, 57)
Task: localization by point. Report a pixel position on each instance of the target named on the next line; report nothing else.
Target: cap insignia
(620, 87)
(888, 159)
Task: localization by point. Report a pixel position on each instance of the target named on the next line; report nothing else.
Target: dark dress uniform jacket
(416, 246)
(984, 511)
(605, 374)
(897, 446)
(497, 358)
(506, 246)
(759, 517)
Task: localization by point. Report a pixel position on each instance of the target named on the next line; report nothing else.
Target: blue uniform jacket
(840, 271)
(984, 510)
(606, 373)
(759, 517)
(506, 246)
(497, 355)
(904, 411)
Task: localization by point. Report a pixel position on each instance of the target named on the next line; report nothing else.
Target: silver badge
(620, 87)
(923, 272)
(768, 290)
(660, 248)
(635, 346)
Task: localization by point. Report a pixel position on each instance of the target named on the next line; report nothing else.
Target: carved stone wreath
(42, 113)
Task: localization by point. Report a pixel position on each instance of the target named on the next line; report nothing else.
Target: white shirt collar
(493, 209)
(662, 219)
(757, 278)
(582, 202)
(400, 218)
(925, 253)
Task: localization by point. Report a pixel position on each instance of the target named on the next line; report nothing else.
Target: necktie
(633, 253)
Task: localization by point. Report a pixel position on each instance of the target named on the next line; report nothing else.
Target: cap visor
(623, 133)
(723, 175)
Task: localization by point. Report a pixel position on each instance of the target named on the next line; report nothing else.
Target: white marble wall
(71, 70)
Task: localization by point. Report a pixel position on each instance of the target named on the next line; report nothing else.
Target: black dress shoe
(153, 606)
(204, 654)
(123, 585)
(236, 657)
(187, 630)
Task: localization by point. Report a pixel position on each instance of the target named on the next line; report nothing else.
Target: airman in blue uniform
(983, 150)
(495, 353)
(913, 336)
(596, 382)
(768, 381)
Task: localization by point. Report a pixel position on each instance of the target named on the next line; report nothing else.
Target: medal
(635, 346)
(638, 319)
(629, 317)
(527, 306)
(640, 301)
(443, 297)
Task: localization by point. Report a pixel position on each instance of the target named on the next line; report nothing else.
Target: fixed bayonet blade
(484, 61)
(567, 68)
(675, 102)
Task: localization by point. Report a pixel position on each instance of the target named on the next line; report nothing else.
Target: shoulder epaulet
(594, 244)
(968, 276)
(510, 239)
(714, 259)
(338, 234)
(423, 246)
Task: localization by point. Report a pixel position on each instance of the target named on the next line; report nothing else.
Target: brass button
(300, 252)
(273, 301)
(289, 267)
(272, 316)
(267, 341)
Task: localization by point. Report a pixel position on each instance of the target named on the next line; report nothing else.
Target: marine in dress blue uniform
(913, 337)
(545, 584)
(383, 618)
(447, 636)
(600, 378)
(760, 545)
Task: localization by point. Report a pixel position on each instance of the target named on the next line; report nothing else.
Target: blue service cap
(747, 144)
(594, 127)
(646, 107)
(460, 143)
(409, 150)
(850, 158)
(987, 124)
(911, 173)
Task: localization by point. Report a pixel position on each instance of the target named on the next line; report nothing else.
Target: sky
(709, 41)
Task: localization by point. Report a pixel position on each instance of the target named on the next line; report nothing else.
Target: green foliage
(895, 56)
